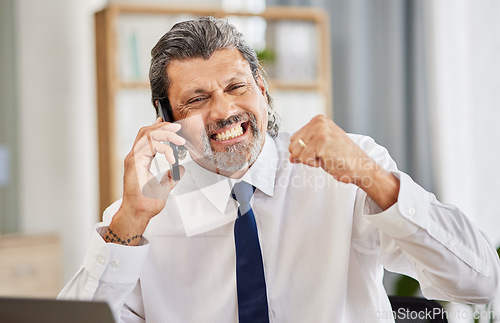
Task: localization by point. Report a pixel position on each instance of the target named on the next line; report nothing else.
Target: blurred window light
(250, 6)
(253, 30)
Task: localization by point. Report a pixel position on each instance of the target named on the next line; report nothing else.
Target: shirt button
(412, 211)
(399, 224)
(452, 243)
(115, 264)
(101, 260)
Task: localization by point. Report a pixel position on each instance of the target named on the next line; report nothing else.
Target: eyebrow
(234, 77)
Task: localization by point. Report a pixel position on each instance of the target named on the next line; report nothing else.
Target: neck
(237, 175)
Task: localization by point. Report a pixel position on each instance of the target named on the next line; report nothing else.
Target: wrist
(111, 236)
(382, 187)
(126, 227)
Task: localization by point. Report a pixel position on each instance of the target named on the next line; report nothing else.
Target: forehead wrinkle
(195, 81)
(197, 89)
(234, 77)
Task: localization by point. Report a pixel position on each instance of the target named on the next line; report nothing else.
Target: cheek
(192, 127)
(257, 104)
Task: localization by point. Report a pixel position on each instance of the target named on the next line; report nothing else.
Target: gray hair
(201, 38)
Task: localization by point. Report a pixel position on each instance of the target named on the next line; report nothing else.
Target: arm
(117, 250)
(143, 195)
(433, 242)
(329, 147)
(415, 233)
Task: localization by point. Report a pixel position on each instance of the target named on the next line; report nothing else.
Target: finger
(293, 160)
(295, 149)
(159, 123)
(157, 126)
(163, 134)
(147, 145)
(296, 136)
(304, 153)
(308, 156)
(145, 156)
(171, 126)
(166, 150)
(316, 162)
(155, 147)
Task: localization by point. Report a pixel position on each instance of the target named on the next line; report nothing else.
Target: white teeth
(230, 133)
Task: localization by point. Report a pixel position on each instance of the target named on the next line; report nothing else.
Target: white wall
(466, 82)
(57, 122)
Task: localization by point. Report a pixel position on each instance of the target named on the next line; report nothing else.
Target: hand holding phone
(174, 168)
(144, 193)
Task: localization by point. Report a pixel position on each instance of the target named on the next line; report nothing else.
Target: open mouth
(234, 131)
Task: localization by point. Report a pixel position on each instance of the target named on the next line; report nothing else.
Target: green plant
(406, 286)
(266, 55)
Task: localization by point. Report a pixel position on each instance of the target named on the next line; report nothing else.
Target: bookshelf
(298, 68)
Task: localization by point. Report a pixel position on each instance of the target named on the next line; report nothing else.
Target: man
(330, 209)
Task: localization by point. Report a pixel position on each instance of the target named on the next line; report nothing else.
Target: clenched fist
(321, 143)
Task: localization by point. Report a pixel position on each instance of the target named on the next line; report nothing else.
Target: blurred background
(421, 77)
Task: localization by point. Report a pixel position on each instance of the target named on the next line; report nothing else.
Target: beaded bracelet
(113, 237)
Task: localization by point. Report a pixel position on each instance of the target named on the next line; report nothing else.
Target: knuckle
(167, 149)
(142, 131)
(320, 118)
(129, 159)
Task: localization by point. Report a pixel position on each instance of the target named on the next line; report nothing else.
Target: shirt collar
(216, 189)
(262, 174)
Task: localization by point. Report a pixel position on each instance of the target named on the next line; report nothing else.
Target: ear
(262, 86)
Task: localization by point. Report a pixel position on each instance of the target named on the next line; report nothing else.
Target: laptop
(34, 310)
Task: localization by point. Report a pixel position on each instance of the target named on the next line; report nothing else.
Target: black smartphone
(174, 168)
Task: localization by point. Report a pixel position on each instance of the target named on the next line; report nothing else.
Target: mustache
(211, 128)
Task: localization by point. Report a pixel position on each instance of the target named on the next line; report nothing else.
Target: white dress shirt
(324, 246)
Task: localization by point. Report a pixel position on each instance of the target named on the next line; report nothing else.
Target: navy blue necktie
(251, 284)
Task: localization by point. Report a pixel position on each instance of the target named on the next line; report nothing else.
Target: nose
(222, 107)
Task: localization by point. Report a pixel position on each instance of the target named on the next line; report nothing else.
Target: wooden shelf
(30, 266)
(274, 84)
(271, 13)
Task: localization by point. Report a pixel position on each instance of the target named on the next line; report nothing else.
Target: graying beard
(234, 158)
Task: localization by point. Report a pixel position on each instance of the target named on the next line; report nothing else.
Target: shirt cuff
(112, 262)
(405, 216)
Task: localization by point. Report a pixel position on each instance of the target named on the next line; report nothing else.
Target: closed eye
(238, 88)
(196, 100)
